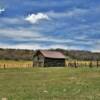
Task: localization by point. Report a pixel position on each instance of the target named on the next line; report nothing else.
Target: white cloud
(96, 47)
(22, 34)
(6, 20)
(2, 10)
(34, 18)
(71, 13)
(55, 46)
(21, 46)
(34, 46)
(76, 12)
(96, 50)
(19, 34)
(46, 3)
(31, 46)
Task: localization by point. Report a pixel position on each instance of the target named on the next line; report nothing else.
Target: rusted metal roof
(52, 54)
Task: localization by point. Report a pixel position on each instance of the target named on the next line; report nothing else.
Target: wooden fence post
(4, 66)
(75, 64)
(97, 63)
(90, 65)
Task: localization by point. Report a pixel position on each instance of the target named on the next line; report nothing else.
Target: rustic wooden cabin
(46, 58)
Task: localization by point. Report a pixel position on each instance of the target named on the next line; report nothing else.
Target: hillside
(17, 54)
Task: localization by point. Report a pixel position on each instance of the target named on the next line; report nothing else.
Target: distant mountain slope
(17, 54)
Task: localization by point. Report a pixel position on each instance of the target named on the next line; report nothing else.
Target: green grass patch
(50, 84)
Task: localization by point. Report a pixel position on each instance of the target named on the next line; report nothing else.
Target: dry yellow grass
(28, 64)
(15, 64)
(83, 63)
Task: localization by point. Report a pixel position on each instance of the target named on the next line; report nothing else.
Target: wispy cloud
(34, 18)
(22, 34)
(10, 20)
(34, 46)
(31, 46)
(2, 10)
(18, 34)
(70, 13)
(96, 47)
(77, 12)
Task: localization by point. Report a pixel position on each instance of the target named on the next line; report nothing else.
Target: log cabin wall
(50, 62)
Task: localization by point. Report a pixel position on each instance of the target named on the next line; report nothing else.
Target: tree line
(18, 54)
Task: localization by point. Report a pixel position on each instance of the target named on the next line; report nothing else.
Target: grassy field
(50, 84)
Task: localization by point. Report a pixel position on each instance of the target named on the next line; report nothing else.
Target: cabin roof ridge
(52, 54)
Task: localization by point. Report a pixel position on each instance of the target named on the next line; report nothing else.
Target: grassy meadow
(50, 83)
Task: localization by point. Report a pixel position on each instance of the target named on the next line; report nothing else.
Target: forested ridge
(18, 54)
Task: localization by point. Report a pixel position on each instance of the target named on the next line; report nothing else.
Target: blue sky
(42, 24)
